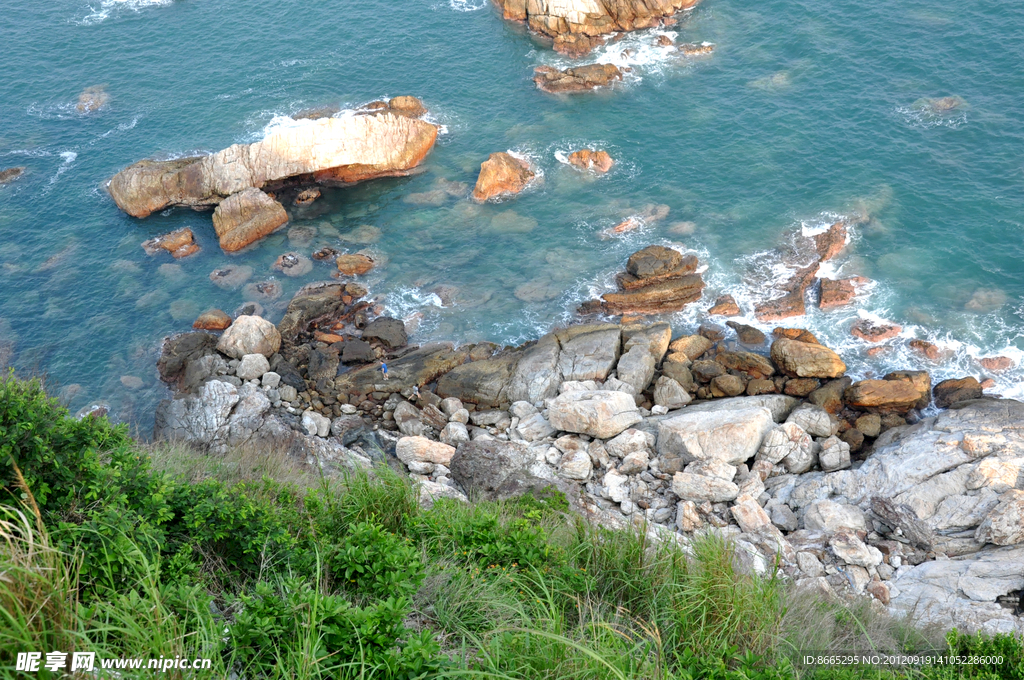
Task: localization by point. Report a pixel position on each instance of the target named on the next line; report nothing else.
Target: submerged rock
(588, 159)
(92, 99)
(8, 175)
(502, 174)
(179, 244)
(355, 264)
(577, 79)
(293, 264)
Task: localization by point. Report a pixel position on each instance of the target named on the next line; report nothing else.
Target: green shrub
(371, 562)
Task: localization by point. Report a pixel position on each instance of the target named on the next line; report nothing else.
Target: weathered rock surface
(245, 217)
(180, 244)
(344, 150)
(250, 335)
(731, 436)
(576, 79)
(700, 488)
(806, 360)
(576, 25)
(588, 159)
(601, 414)
(882, 396)
(502, 174)
(212, 320)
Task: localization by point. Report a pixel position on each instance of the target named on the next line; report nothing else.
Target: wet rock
(250, 335)
(830, 395)
(502, 174)
(996, 364)
(246, 217)
(949, 392)
(748, 335)
(132, 382)
(600, 414)
(8, 175)
(792, 302)
(576, 79)
(731, 436)
(874, 332)
(706, 371)
(835, 294)
(334, 150)
(577, 26)
(267, 291)
(307, 196)
(179, 244)
(231, 277)
(795, 334)
(804, 360)
(926, 349)
(725, 305)
(417, 368)
(313, 303)
(357, 352)
(293, 264)
(662, 297)
(697, 49)
(355, 264)
(326, 253)
(587, 159)
(92, 99)
(882, 396)
(389, 331)
(212, 320)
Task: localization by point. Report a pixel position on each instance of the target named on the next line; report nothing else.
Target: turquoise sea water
(807, 111)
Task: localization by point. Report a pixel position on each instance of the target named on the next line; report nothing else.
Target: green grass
(272, 571)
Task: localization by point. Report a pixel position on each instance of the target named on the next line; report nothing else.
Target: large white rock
(454, 433)
(829, 516)
(784, 441)
(534, 427)
(749, 515)
(423, 450)
(629, 441)
(1004, 524)
(590, 356)
(814, 420)
(315, 424)
(576, 465)
(850, 549)
(732, 436)
(698, 488)
(250, 335)
(596, 413)
(252, 367)
(636, 368)
(670, 394)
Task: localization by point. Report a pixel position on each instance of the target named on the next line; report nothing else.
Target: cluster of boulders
(578, 26)
(657, 280)
(765, 441)
(577, 78)
(388, 139)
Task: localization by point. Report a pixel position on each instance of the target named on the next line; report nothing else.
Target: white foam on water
(102, 12)
(923, 118)
(408, 303)
(460, 5)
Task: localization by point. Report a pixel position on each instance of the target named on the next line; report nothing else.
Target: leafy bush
(371, 562)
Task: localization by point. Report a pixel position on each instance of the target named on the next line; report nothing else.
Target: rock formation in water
(578, 26)
(384, 142)
(502, 174)
(8, 175)
(576, 79)
(657, 280)
(599, 162)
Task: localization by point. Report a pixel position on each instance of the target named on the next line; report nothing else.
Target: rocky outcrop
(250, 335)
(212, 320)
(576, 79)
(246, 217)
(341, 150)
(657, 280)
(577, 26)
(502, 174)
(179, 244)
(598, 162)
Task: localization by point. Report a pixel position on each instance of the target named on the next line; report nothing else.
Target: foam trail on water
(106, 7)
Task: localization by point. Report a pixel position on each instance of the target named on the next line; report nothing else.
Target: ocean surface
(806, 112)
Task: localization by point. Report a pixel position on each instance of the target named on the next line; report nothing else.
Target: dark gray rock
(179, 350)
(484, 466)
(357, 352)
(389, 331)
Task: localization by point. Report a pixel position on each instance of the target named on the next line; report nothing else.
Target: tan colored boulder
(578, 79)
(212, 320)
(795, 334)
(806, 360)
(725, 305)
(996, 363)
(406, 105)
(423, 450)
(179, 244)
(874, 332)
(693, 346)
(921, 380)
(246, 217)
(577, 25)
(588, 159)
(955, 390)
(334, 150)
(882, 396)
(355, 264)
(755, 365)
(502, 174)
(250, 335)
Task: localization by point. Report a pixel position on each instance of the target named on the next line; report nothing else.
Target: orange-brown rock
(836, 294)
(666, 296)
(329, 338)
(587, 159)
(577, 79)
(874, 332)
(754, 365)
(406, 105)
(179, 244)
(502, 174)
(996, 363)
(955, 390)
(795, 334)
(212, 320)
(691, 346)
(806, 360)
(920, 380)
(926, 349)
(354, 265)
(333, 150)
(577, 25)
(664, 41)
(882, 396)
(725, 305)
(831, 242)
(696, 49)
(800, 387)
(307, 196)
(792, 302)
(246, 217)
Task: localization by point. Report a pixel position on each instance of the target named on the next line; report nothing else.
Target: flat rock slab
(731, 436)
(598, 413)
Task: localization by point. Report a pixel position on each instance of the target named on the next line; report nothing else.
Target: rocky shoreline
(858, 488)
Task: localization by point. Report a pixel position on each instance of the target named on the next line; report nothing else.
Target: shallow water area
(799, 117)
